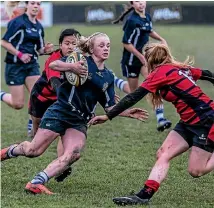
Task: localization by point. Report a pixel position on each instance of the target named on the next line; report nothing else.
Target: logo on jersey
(187, 74)
(99, 74)
(202, 137)
(28, 30)
(90, 76)
(105, 86)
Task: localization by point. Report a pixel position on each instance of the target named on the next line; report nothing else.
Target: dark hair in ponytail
(121, 17)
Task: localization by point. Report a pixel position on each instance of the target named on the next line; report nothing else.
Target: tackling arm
(207, 75)
(127, 102)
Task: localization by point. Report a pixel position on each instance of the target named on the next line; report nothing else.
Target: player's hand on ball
(78, 68)
(98, 120)
(138, 113)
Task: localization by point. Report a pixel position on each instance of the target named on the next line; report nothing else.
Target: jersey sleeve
(196, 73)
(155, 81)
(13, 29)
(150, 23)
(50, 73)
(41, 42)
(129, 30)
(108, 100)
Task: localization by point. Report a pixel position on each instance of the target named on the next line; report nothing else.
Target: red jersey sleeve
(196, 73)
(155, 81)
(50, 72)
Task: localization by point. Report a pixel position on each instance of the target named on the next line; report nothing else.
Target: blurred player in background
(23, 40)
(137, 30)
(69, 115)
(176, 83)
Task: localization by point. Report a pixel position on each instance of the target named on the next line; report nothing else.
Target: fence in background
(104, 13)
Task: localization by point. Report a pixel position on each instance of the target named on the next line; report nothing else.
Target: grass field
(119, 154)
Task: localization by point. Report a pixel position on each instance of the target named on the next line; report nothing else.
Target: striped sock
(40, 178)
(159, 111)
(2, 93)
(30, 125)
(10, 151)
(119, 83)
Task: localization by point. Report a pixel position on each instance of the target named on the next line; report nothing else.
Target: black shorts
(200, 135)
(131, 71)
(37, 107)
(15, 74)
(57, 120)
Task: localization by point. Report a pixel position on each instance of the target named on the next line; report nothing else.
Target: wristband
(20, 54)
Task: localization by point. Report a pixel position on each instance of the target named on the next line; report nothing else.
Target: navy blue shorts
(131, 71)
(57, 120)
(15, 74)
(197, 135)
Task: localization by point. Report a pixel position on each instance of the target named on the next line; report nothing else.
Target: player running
(137, 30)
(69, 115)
(176, 83)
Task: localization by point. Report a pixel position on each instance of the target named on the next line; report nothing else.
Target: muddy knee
(30, 151)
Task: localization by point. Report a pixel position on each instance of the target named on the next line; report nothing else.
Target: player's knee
(18, 105)
(160, 154)
(70, 158)
(32, 152)
(195, 173)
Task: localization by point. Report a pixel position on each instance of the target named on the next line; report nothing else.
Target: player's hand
(116, 98)
(79, 69)
(164, 42)
(49, 48)
(98, 120)
(143, 60)
(138, 113)
(26, 57)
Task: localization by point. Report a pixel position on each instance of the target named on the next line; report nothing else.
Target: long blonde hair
(158, 54)
(85, 44)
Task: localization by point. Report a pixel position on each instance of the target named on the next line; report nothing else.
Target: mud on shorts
(200, 135)
(15, 74)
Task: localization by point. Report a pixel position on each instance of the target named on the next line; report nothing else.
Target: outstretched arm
(127, 102)
(207, 75)
(121, 108)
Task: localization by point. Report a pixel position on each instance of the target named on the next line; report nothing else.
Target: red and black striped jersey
(178, 86)
(42, 88)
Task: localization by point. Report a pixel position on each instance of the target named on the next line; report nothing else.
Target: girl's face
(68, 45)
(33, 7)
(139, 6)
(101, 47)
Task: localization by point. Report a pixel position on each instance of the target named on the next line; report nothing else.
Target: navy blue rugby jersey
(99, 87)
(25, 36)
(136, 31)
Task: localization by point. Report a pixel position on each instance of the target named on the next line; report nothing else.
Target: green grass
(119, 154)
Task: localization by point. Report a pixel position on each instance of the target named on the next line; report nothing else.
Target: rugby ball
(72, 78)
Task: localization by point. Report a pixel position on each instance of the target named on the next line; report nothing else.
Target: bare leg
(37, 146)
(16, 97)
(133, 84)
(173, 146)
(73, 143)
(201, 162)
